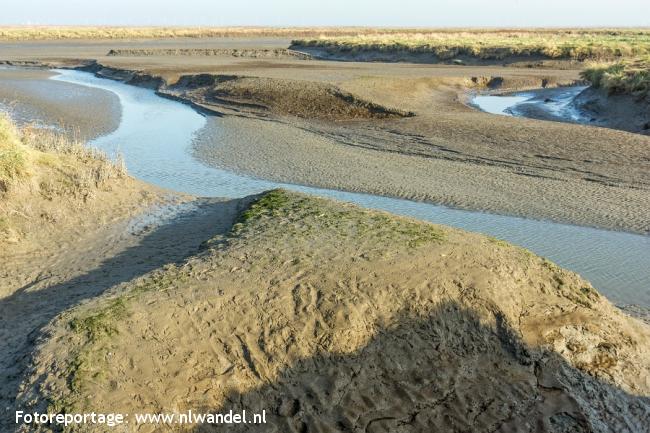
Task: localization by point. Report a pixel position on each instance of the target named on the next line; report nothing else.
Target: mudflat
(445, 152)
(83, 112)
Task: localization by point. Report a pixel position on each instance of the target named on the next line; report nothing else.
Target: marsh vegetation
(495, 44)
(22, 33)
(628, 77)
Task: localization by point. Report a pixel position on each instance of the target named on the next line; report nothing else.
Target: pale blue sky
(428, 13)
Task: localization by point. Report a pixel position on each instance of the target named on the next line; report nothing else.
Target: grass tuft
(12, 154)
(101, 323)
(268, 205)
(40, 164)
(31, 150)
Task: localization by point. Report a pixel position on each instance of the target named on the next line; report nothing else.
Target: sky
(394, 13)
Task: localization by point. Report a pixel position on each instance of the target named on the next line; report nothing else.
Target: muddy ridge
(335, 318)
(277, 53)
(282, 96)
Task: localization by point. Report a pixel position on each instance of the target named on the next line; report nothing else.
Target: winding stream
(155, 136)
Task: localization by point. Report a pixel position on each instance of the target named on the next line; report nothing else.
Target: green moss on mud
(100, 323)
(302, 216)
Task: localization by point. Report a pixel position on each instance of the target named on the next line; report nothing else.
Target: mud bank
(625, 112)
(260, 96)
(281, 97)
(285, 306)
(578, 104)
(83, 113)
(552, 104)
(353, 241)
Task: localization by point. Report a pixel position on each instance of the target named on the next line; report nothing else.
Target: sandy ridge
(401, 326)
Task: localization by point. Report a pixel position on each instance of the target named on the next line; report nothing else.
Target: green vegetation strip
(312, 216)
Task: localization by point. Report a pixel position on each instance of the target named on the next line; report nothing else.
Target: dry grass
(628, 77)
(497, 44)
(340, 35)
(26, 152)
(12, 153)
(18, 33)
(43, 173)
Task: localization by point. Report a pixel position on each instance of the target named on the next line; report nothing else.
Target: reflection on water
(553, 104)
(497, 104)
(155, 138)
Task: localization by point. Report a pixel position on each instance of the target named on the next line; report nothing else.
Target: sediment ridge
(277, 53)
(256, 95)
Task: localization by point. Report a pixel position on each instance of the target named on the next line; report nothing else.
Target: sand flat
(83, 112)
(324, 314)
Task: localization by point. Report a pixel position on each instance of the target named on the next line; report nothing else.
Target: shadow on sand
(445, 372)
(24, 314)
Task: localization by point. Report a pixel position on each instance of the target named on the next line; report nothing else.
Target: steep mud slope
(619, 111)
(332, 318)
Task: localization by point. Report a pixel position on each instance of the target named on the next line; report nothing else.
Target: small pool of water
(155, 137)
(550, 104)
(497, 104)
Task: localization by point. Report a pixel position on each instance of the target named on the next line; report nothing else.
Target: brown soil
(330, 317)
